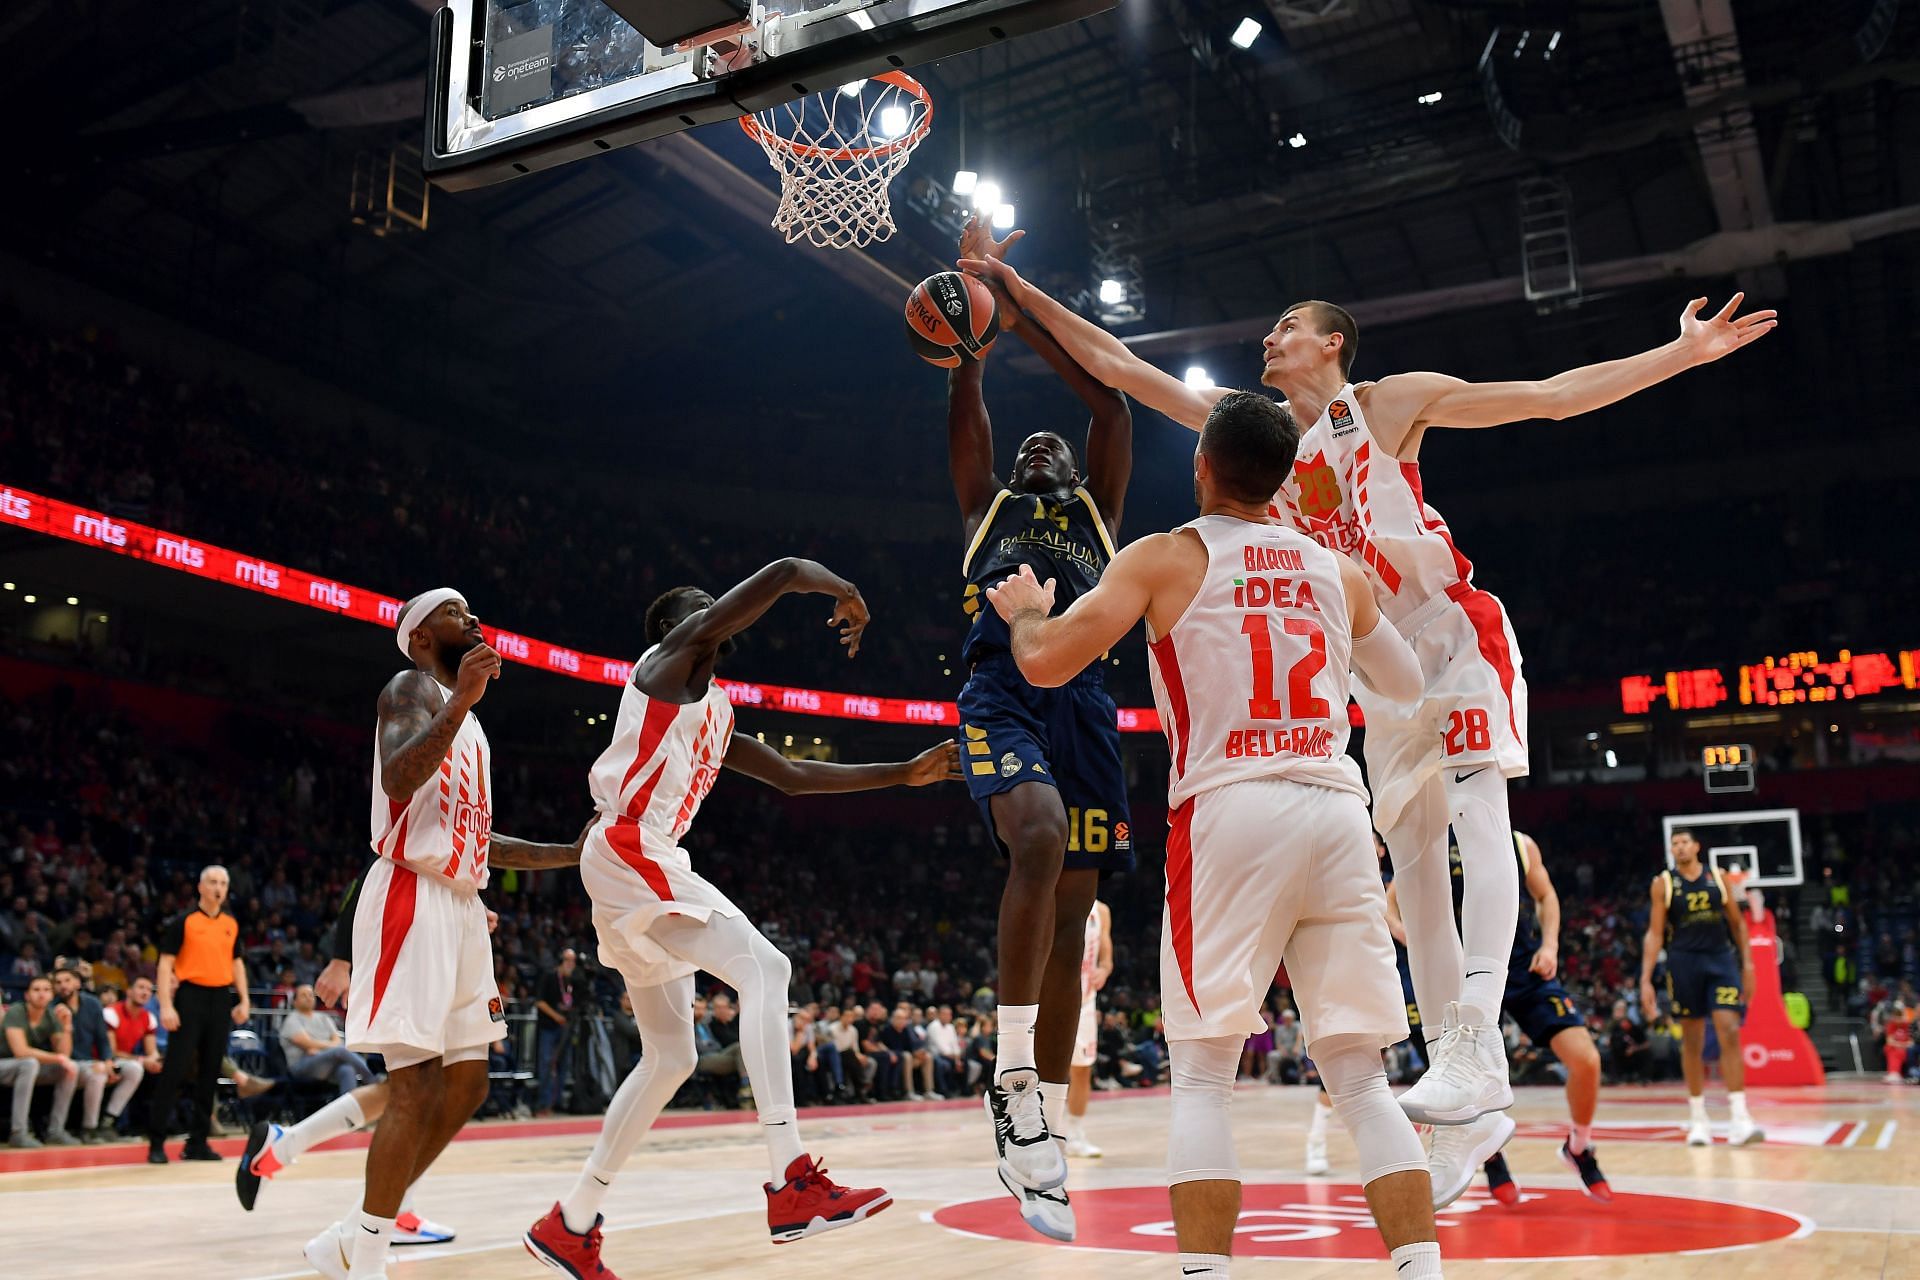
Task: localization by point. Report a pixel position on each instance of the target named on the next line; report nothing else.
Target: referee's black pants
(193, 1058)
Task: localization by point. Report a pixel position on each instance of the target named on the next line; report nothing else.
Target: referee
(199, 951)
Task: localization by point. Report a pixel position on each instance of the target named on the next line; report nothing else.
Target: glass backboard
(1765, 843)
(523, 85)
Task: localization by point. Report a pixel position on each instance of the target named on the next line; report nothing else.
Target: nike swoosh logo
(372, 1231)
(1403, 1266)
(1194, 1271)
(1477, 972)
(1458, 778)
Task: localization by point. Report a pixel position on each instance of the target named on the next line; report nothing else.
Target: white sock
(783, 1143)
(1416, 1261)
(1697, 1109)
(581, 1209)
(1317, 1127)
(1579, 1138)
(1208, 1266)
(406, 1203)
(1482, 990)
(1737, 1102)
(342, 1115)
(1013, 1047)
(371, 1236)
(1053, 1099)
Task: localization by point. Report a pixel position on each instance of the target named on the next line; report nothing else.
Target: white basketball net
(837, 153)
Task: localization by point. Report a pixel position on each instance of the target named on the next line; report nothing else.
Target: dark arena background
(308, 307)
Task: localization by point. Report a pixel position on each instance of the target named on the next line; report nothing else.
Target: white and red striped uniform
(647, 786)
(1269, 856)
(422, 961)
(1351, 495)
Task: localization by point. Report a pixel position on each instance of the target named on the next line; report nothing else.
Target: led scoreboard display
(1792, 679)
(1728, 768)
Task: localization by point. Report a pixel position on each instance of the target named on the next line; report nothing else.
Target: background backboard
(1765, 842)
(521, 85)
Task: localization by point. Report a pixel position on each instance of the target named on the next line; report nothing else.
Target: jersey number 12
(1265, 703)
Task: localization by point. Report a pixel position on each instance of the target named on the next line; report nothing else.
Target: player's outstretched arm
(689, 649)
(1422, 400)
(1052, 651)
(762, 763)
(970, 444)
(1101, 354)
(1546, 907)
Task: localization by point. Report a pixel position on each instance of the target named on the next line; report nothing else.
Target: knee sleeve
(1200, 1131)
(1357, 1084)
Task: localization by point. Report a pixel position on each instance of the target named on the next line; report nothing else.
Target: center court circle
(1331, 1221)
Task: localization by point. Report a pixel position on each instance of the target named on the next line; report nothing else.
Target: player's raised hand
(477, 666)
(998, 276)
(1021, 591)
(850, 615)
(1723, 333)
(976, 239)
(935, 764)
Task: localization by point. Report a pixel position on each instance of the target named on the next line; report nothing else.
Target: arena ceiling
(200, 159)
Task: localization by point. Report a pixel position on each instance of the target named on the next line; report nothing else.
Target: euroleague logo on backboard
(1331, 1221)
(522, 67)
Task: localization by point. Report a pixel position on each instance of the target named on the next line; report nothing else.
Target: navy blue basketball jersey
(1066, 541)
(1696, 913)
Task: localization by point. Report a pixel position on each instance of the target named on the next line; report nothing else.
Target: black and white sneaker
(1029, 1157)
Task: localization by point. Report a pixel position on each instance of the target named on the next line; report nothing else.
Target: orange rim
(751, 125)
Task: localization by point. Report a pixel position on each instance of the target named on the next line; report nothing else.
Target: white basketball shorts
(1268, 870)
(1474, 710)
(634, 878)
(422, 982)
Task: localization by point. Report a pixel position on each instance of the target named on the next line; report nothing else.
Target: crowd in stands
(543, 549)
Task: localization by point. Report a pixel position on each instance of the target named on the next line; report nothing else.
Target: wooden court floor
(1834, 1192)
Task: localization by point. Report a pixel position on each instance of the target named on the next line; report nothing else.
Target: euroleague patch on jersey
(1341, 416)
(496, 1010)
(1331, 1221)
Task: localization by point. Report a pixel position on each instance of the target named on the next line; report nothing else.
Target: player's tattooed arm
(513, 854)
(939, 763)
(418, 722)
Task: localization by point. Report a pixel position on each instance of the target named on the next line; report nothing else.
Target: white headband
(425, 605)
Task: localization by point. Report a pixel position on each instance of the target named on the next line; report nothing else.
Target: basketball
(952, 318)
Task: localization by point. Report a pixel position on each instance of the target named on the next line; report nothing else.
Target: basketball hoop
(837, 152)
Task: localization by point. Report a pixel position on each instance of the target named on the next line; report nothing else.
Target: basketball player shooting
(1696, 917)
(1042, 764)
(1252, 629)
(1441, 759)
(423, 994)
(659, 921)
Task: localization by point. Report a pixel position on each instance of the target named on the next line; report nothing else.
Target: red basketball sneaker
(1500, 1181)
(811, 1202)
(568, 1252)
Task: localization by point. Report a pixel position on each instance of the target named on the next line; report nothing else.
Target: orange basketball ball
(952, 318)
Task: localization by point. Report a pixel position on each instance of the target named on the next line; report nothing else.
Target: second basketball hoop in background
(837, 152)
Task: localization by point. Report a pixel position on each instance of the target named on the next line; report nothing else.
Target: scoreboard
(1781, 680)
(1728, 768)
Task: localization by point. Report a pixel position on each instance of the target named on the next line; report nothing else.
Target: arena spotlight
(1245, 34)
(893, 121)
(1003, 216)
(852, 88)
(73, 599)
(1428, 99)
(1197, 378)
(1112, 291)
(986, 194)
(31, 599)
(1613, 761)
(964, 181)
(1297, 141)
(7, 585)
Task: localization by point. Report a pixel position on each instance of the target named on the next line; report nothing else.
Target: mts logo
(257, 573)
(868, 707)
(508, 645)
(751, 694)
(100, 529)
(181, 552)
(1273, 593)
(390, 611)
(15, 507)
(800, 700)
(564, 660)
(927, 712)
(330, 595)
(1273, 559)
(616, 672)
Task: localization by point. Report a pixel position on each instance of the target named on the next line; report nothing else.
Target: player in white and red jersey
(1252, 628)
(422, 992)
(1440, 759)
(1096, 965)
(659, 921)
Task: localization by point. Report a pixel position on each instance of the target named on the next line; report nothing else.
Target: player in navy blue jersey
(1709, 971)
(1043, 764)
